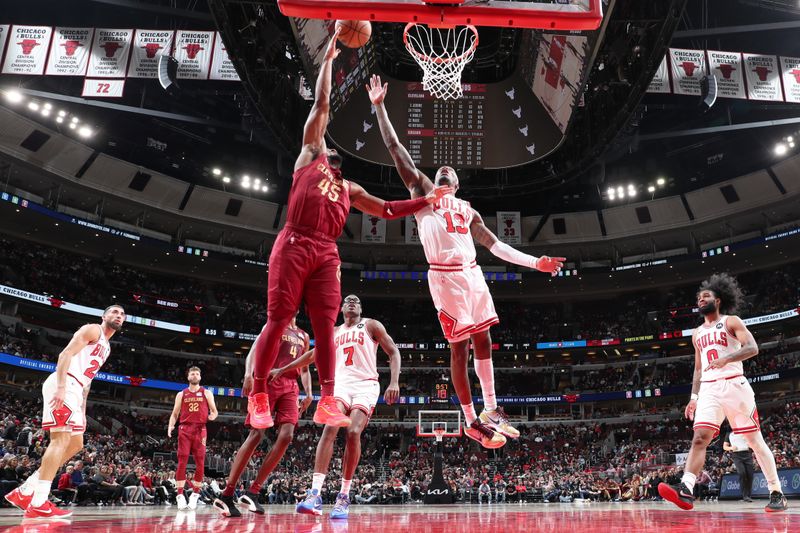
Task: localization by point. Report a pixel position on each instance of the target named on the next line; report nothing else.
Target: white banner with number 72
(104, 88)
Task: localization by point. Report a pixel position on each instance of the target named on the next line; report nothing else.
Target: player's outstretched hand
(58, 398)
(691, 407)
(551, 265)
(305, 403)
(274, 374)
(332, 51)
(247, 386)
(434, 196)
(392, 393)
(377, 90)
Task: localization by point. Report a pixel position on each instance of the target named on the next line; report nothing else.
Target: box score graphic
(104, 88)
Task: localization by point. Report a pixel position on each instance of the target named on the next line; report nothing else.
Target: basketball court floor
(650, 517)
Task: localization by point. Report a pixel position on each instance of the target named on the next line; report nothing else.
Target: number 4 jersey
(715, 341)
(356, 354)
(444, 232)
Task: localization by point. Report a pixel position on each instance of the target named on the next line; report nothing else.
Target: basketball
(354, 33)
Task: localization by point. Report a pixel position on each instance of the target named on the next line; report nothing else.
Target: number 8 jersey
(444, 232)
(715, 341)
(84, 365)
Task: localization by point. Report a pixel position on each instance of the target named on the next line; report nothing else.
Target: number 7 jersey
(356, 354)
(444, 232)
(715, 341)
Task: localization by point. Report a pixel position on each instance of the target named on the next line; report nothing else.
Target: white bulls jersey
(717, 341)
(356, 353)
(444, 231)
(85, 364)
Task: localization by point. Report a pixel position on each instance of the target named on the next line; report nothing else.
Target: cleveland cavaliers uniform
(82, 369)
(192, 429)
(724, 392)
(456, 282)
(356, 367)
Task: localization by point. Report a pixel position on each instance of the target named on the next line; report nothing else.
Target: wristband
(693, 397)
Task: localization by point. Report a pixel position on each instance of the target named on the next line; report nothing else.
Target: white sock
(28, 487)
(41, 492)
(346, 486)
(317, 481)
(469, 413)
(688, 479)
(484, 368)
(765, 460)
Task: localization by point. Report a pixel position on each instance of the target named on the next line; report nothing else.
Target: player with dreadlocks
(720, 390)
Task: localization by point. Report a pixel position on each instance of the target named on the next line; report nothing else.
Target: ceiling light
(45, 112)
(72, 126)
(226, 179)
(33, 106)
(661, 181)
(651, 189)
(631, 192)
(62, 113)
(610, 191)
(75, 120)
(631, 187)
(264, 189)
(789, 139)
(48, 106)
(780, 149)
(256, 182)
(620, 192)
(14, 96)
(246, 177)
(85, 131)
(216, 171)
(59, 119)
(245, 184)
(791, 145)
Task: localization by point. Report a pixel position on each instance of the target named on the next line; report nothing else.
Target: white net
(442, 54)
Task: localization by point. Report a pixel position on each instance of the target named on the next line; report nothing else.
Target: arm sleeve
(401, 208)
(511, 255)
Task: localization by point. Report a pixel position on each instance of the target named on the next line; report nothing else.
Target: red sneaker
(258, 409)
(46, 510)
(19, 500)
(328, 413)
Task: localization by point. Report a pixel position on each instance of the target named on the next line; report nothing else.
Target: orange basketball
(354, 33)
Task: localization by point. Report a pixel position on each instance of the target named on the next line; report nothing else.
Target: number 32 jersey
(715, 341)
(85, 364)
(444, 232)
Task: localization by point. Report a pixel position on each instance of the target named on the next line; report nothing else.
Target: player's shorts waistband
(309, 232)
(453, 267)
(76, 379)
(723, 379)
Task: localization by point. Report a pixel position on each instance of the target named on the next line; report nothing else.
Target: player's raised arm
(378, 332)
(372, 205)
(176, 411)
(484, 236)
(80, 339)
(317, 121)
(212, 406)
(416, 182)
(302, 361)
(305, 379)
(749, 346)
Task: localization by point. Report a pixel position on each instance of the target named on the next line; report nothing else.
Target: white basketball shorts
(72, 415)
(361, 395)
(462, 300)
(731, 398)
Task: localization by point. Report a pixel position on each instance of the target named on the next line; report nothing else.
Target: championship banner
(688, 68)
(509, 229)
(221, 65)
(3, 38)
(790, 69)
(412, 232)
(69, 53)
(763, 77)
(193, 52)
(103, 88)
(660, 81)
(110, 49)
(728, 68)
(373, 229)
(27, 50)
(148, 47)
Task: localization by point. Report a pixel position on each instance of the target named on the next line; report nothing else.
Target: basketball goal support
(439, 424)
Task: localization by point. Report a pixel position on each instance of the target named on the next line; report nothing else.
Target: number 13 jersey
(444, 232)
(715, 341)
(356, 354)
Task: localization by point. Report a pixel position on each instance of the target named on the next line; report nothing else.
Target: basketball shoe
(226, 506)
(498, 420)
(193, 500)
(311, 505)
(258, 409)
(251, 501)
(19, 500)
(328, 413)
(181, 499)
(480, 432)
(680, 495)
(777, 502)
(342, 507)
(46, 510)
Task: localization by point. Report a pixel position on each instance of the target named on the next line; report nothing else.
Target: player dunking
(720, 390)
(64, 393)
(304, 262)
(195, 406)
(283, 396)
(356, 392)
(460, 294)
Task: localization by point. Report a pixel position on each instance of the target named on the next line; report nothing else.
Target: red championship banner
(373, 229)
(27, 50)
(790, 69)
(763, 77)
(728, 68)
(193, 51)
(688, 68)
(660, 81)
(3, 38)
(69, 53)
(221, 65)
(110, 51)
(509, 228)
(148, 47)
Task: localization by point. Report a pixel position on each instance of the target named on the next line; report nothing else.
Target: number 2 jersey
(319, 200)
(84, 365)
(715, 341)
(356, 354)
(444, 231)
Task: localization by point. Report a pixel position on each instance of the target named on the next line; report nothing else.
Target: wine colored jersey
(293, 342)
(318, 201)
(194, 407)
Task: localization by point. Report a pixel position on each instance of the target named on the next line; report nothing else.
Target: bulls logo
(111, 48)
(571, 398)
(62, 415)
(448, 323)
(152, 49)
(55, 302)
(70, 47)
(136, 381)
(796, 74)
(374, 221)
(689, 67)
(28, 45)
(192, 50)
(726, 70)
(762, 73)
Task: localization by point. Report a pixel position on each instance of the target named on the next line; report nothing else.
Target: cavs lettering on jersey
(713, 342)
(444, 232)
(356, 353)
(194, 407)
(85, 364)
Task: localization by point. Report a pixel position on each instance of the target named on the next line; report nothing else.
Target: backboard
(430, 421)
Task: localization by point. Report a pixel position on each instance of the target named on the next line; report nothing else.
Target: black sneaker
(251, 501)
(680, 495)
(226, 506)
(777, 502)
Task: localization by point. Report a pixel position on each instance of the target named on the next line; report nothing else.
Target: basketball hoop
(442, 54)
(439, 434)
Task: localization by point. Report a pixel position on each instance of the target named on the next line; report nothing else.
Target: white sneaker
(193, 500)
(182, 505)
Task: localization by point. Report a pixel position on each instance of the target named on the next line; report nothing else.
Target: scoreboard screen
(441, 392)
